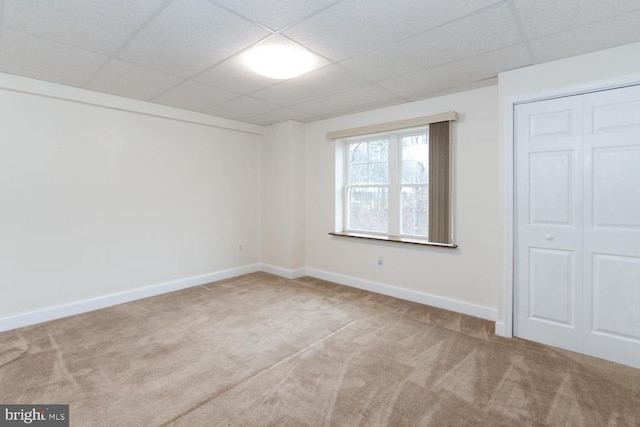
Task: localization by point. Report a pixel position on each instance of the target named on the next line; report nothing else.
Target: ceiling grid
(374, 53)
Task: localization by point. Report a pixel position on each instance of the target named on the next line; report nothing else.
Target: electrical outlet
(240, 248)
(380, 260)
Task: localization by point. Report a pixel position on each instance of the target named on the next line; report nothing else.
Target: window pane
(379, 150)
(368, 209)
(415, 211)
(368, 162)
(358, 152)
(378, 173)
(358, 173)
(415, 159)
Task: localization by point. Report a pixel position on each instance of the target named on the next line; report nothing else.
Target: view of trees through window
(389, 175)
(368, 197)
(415, 185)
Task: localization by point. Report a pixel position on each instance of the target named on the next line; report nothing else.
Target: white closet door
(549, 185)
(578, 223)
(612, 225)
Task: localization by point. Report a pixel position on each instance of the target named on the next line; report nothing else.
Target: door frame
(504, 325)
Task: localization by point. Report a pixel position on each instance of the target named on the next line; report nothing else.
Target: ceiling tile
(420, 84)
(189, 36)
(99, 26)
(43, 59)
(542, 17)
(278, 116)
(242, 108)
(194, 96)
(361, 98)
(600, 35)
(234, 75)
(483, 32)
(275, 14)
(389, 51)
(357, 26)
(131, 80)
(318, 84)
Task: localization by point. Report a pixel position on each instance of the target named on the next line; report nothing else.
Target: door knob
(548, 236)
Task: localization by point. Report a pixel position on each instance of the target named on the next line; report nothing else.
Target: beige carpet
(261, 350)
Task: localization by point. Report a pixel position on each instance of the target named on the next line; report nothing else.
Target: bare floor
(262, 350)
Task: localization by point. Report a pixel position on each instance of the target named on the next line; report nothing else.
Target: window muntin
(368, 209)
(367, 191)
(387, 188)
(368, 162)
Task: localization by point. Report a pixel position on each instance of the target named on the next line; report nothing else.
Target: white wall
(96, 201)
(472, 273)
(283, 196)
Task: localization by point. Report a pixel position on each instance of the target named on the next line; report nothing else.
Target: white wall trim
(470, 309)
(283, 272)
(509, 216)
(78, 307)
(507, 315)
(500, 329)
(84, 96)
(385, 289)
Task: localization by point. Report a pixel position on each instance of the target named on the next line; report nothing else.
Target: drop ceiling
(376, 53)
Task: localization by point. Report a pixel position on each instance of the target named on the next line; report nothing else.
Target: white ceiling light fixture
(279, 58)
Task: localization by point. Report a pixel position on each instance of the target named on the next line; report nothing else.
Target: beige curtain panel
(439, 183)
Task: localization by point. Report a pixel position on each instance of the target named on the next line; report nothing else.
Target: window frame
(394, 185)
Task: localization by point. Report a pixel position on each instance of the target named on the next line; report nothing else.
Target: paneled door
(549, 189)
(577, 234)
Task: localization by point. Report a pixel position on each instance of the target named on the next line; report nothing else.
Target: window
(387, 184)
(395, 185)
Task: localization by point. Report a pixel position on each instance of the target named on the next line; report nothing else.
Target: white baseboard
(78, 307)
(283, 272)
(475, 310)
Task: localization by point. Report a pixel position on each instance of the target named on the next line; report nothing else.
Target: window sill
(409, 240)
